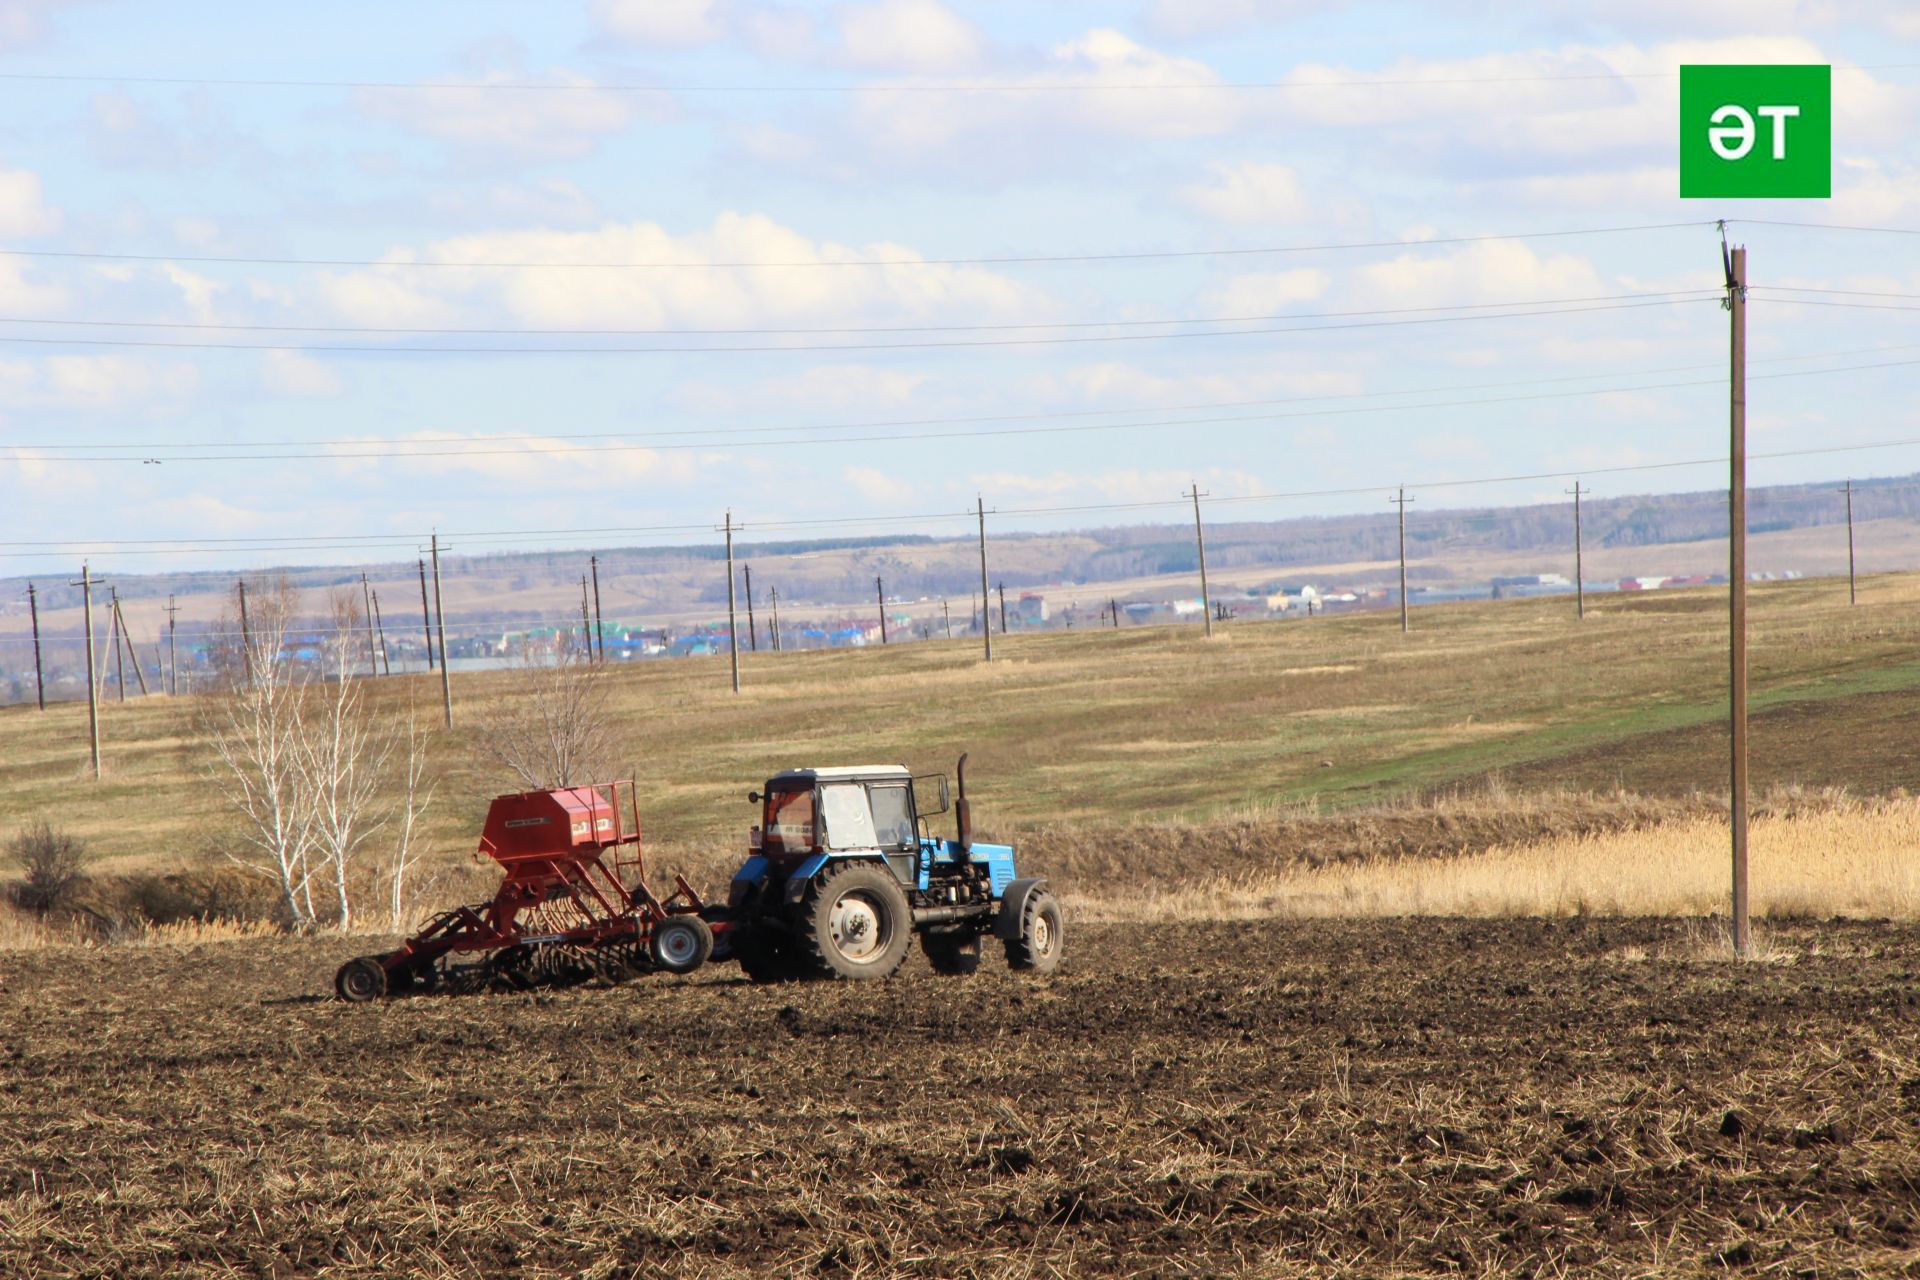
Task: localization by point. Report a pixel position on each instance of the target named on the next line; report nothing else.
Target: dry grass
(1835, 857)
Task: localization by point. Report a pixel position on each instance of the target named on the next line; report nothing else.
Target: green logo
(1756, 131)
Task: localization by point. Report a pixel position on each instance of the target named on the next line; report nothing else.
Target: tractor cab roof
(842, 773)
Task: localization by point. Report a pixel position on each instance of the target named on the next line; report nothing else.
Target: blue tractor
(844, 871)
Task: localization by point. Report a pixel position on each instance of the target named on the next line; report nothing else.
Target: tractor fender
(1013, 905)
(803, 875)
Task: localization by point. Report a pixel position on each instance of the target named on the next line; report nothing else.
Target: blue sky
(854, 133)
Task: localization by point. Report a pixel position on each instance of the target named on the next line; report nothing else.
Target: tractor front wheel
(856, 924)
(681, 944)
(1037, 949)
(361, 979)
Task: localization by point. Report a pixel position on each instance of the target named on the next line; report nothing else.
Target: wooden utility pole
(113, 642)
(386, 664)
(586, 620)
(440, 620)
(1737, 583)
(1401, 501)
(774, 634)
(1200, 542)
(93, 688)
(1852, 596)
(753, 632)
(1579, 563)
(173, 648)
(947, 614)
(599, 621)
(986, 630)
(733, 634)
(880, 590)
(39, 678)
(1001, 587)
(246, 635)
(126, 637)
(366, 606)
(1114, 605)
(426, 614)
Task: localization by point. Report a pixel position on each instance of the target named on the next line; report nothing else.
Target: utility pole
(1736, 264)
(373, 652)
(246, 635)
(599, 622)
(1200, 541)
(173, 649)
(1002, 589)
(1579, 564)
(1114, 605)
(733, 634)
(126, 637)
(1852, 596)
(753, 632)
(386, 664)
(39, 679)
(947, 614)
(986, 629)
(586, 622)
(426, 614)
(1402, 502)
(880, 590)
(440, 618)
(774, 636)
(93, 689)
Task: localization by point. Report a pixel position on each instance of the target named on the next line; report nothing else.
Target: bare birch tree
(416, 793)
(554, 730)
(343, 758)
(257, 730)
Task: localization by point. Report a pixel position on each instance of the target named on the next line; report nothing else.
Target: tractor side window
(892, 817)
(849, 820)
(789, 824)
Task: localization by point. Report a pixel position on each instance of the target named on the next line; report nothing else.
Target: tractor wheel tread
(1028, 953)
(880, 894)
(681, 944)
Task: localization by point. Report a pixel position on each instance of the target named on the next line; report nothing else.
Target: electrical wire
(1004, 260)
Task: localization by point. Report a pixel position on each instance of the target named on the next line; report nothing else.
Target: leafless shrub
(52, 861)
(554, 730)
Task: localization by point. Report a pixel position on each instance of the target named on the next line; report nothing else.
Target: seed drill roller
(574, 904)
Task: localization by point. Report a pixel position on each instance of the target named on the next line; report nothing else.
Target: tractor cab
(868, 809)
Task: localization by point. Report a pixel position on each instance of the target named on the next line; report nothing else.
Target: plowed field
(1351, 1097)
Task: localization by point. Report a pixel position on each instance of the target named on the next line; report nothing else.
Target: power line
(590, 450)
(1003, 326)
(1004, 260)
(408, 543)
(745, 87)
(802, 348)
(149, 448)
(1824, 226)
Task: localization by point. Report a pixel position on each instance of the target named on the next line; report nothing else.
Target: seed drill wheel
(361, 979)
(681, 944)
(1037, 949)
(855, 923)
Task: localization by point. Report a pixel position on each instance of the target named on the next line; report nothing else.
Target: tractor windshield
(789, 822)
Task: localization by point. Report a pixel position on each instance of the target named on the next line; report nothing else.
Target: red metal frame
(575, 877)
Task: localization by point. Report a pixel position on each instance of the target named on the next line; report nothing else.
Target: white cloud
(288, 373)
(99, 382)
(198, 290)
(529, 463)
(1250, 192)
(1116, 384)
(672, 24)
(565, 122)
(798, 285)
(853, 389)
(1188, 19)
(24, 22)
(1262, 293)
(1123, 484)
(21, 295)
(1491, 271)
(876, 487)
(23, 212)
(908, 35)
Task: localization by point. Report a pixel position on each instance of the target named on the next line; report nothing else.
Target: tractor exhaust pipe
(962, 812)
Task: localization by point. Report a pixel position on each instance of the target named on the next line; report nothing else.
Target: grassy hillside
(1108, 730)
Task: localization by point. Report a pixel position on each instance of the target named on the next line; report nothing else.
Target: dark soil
(1384, 1098)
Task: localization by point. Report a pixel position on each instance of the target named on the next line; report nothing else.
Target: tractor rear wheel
(681, 944)
(361, 979)
(855, 923)
(952, 951)
(766, 956)
(1037, 949)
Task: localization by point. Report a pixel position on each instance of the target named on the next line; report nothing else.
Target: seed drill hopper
(574, 904)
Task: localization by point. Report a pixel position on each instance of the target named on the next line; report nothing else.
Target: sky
(611, 270)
